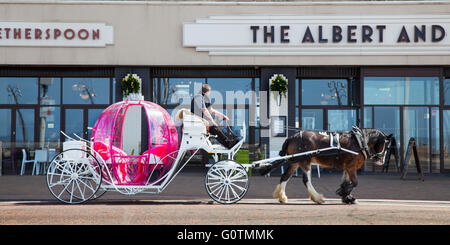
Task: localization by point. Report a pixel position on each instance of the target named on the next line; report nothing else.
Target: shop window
(5, 127)
(18, 90)
(446, 140)
(74, 122)
(416, 125)
(447, 92)
(24, 128)
(93, 115)
(324, 92)
(435, 138)
(312, 119)
(50, 91)
(231, 91)
(401, 90)
(50, 126)
(86, 90)
(368, 122)
(237, 117)
(341, 120)
(387, 119)
(178, 91)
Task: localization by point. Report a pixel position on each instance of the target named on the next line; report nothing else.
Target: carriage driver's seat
(194, 130)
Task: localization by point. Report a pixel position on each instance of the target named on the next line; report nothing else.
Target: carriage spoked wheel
(226, 182)
(74, 177)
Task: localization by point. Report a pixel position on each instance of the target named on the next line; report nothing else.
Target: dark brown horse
(369, 143)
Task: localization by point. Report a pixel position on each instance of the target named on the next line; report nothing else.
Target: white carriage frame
(194, 137)
(219, 179)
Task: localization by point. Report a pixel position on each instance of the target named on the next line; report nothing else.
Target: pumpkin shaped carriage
(85, 170)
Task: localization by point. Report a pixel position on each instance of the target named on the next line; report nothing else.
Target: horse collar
(359, 135)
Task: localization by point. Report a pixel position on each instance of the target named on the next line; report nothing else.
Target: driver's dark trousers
(228, 140)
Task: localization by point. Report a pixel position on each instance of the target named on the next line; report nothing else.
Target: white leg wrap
(316, 197)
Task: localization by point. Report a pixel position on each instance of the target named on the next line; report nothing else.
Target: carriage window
(18, 90)
(178, 91)
(401, 90)
(324, 92)
(86, 90)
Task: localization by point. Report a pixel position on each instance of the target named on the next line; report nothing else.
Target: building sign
(55, 34)
(320, 35)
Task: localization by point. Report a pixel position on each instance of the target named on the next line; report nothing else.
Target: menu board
(278, 124)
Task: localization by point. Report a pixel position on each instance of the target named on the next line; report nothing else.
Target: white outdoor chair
(25, 161)
(40, 156)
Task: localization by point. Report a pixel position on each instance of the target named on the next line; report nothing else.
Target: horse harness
(367, 152)
(360, 137)
(334, 142)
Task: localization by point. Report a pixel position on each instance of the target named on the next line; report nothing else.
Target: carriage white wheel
(74, 176)
(226, 182)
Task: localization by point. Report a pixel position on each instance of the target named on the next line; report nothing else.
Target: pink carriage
(128, 169)
(85, 170)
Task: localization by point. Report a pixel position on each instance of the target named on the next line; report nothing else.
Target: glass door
(74, 122)
(23, 135)
(341, 120)
(24, 130)
(387, 120)
(416, 124)
(446, 140)
(312, 119)
(80, 121)
(93, 114)
(6, 158)
(16, 133)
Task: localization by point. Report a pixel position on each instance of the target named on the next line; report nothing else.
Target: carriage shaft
(267, 161)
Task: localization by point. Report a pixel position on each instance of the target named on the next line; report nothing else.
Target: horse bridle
(367, 152)
(379, 155)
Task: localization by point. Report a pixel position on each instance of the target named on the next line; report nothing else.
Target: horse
(368, 143)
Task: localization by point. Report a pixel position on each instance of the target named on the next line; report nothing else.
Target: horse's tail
(275, 164)
(284, 147)
(270, 168)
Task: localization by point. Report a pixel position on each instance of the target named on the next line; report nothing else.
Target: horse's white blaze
(316, 197)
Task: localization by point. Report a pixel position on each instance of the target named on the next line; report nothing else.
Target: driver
(201, 106)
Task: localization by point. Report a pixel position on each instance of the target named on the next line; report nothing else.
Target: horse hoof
(277, 192)
(319, 200)
(349, 200)
(283, 199)
(340, 192)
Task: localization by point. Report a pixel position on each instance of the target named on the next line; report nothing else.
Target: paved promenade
(189, 185)
(382, 199)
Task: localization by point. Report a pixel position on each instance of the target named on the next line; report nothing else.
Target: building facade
(383, 65)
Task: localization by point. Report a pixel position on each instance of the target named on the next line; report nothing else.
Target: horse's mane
(372, 132)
